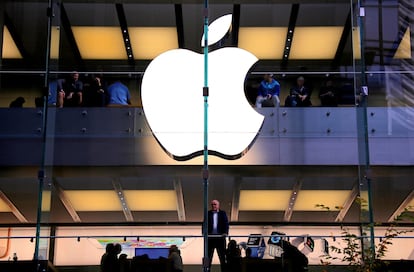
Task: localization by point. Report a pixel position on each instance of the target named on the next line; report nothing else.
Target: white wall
(21, 243)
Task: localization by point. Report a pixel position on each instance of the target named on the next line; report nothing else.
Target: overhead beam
(348, 203)
(401, 208)
(290, 34)
(179, 24)
(342, 41)
(234, 217)
(235, 24)
(180, 200)
(125, 33)
(67, 27)
(292, 201)
(13, 208)
(66, 202)
(121, 196)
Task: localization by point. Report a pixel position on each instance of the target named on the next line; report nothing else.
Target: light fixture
(404, 48)
(149, 42)
(151, 200)
(264, 200)
(263, 42)
(10, 50)
(99, 42)
(55, 42)
(93, 200)
(315, 42)
(308, 200)
(4, 207)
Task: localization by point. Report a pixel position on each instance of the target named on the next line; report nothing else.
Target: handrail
(138, 237)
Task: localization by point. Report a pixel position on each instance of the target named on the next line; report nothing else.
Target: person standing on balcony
(218, 229)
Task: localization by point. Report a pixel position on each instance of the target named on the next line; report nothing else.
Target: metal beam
(289, 35)
(179, 24)
(13, 208)
(236, 200)
(180, 200)
(125, 208)
(402, 207)
(292, 201)
(342, 41)
(69, 35)
(235, 24)
(66, 202)
(348, 203)
(125, 34)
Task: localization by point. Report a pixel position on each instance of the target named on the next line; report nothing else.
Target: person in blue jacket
(268, 92)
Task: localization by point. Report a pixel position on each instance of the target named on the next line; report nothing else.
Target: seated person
(70, 91)
(95, 92)
(118, 94)
(268, 92)
(298, 260)
(299, 95)
(18, 102)
(328, 95)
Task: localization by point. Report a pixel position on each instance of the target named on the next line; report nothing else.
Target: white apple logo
(173, 102)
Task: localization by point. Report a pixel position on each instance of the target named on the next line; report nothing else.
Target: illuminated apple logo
(173, 101)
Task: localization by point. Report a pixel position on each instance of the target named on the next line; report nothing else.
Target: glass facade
(74, 177)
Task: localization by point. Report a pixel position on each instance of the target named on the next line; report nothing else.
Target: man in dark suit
(218, 225)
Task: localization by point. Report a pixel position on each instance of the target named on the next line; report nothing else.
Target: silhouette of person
(248, 253)
(299, 95)
(328, 95)
(95, 94)
(124, 264)
(298, 259)
(233, 257)
(174, 255)
(18, 102)
(109, 248)
(109, 261)
(218, 229)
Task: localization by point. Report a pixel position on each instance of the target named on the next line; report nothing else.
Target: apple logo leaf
(218, 29)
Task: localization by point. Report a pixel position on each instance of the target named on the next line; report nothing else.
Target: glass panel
(324, 153)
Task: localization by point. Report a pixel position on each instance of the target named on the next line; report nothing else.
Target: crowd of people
(299, 95)
(111, 262)
(230, 258)
(94, 92)
(229, 254)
